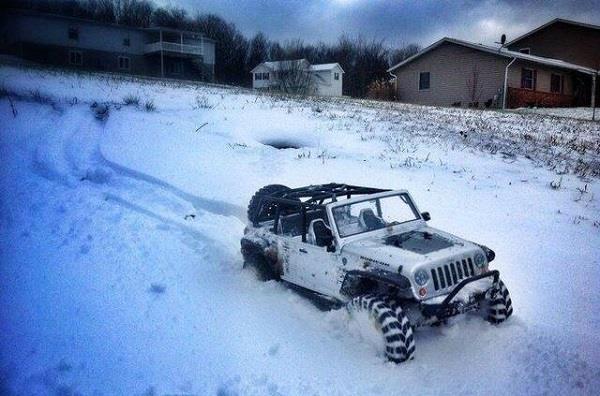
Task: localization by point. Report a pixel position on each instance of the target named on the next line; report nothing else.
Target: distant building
(91, 45)
(324, 79)
(554, 65)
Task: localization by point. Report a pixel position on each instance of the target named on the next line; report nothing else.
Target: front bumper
(448, 307)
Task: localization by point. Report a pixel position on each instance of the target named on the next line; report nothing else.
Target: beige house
(453, 72)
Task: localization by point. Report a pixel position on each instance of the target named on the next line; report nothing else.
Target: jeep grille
(450, 274)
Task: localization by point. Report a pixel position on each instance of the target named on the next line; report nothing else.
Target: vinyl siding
(571, 43)
(451, 69)
(543, 77)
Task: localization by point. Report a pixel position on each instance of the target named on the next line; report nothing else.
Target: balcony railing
(173, 48)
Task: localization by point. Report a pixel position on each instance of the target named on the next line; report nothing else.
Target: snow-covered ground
(120, 270)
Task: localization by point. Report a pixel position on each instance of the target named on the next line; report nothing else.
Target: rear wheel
(393, 333)
(254, 207)
(499, 303)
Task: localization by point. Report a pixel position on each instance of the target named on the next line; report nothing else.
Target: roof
(552, 22)
(499, 52)
(326, 66)
(278, 65)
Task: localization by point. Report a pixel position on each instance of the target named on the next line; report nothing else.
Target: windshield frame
(400, 227)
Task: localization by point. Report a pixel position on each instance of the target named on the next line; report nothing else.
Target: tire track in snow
(73, 155)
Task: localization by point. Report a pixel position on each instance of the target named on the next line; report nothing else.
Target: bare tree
(294, 77)
(402, 53)
(474, 85)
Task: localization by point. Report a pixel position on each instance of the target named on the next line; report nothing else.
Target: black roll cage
(299, 200)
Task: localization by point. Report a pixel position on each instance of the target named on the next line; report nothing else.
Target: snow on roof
(552, 22)
(279, 65)
(286, 64)
(325, 66)
(500, 52)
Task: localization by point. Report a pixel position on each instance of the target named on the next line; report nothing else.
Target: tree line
(364, 61)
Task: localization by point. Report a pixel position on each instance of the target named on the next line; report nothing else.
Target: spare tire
(255, 202)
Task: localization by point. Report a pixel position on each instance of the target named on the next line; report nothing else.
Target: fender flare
(353, 278)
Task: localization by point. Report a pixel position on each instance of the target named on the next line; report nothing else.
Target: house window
(556, 83)
(73, 33)
(75, 58)
(126, 42)
(525, 51)
(123, 63)
(336, 76)
(261, 76)
(424, 80)
(528, 78)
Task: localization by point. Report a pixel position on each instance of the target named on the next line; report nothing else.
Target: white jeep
(372, 251)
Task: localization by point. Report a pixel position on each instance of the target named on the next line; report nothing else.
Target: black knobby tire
(255, 202)
(500, 304)
(396, 330)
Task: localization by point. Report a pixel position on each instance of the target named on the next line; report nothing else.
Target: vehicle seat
(369, 221)
(319, 234)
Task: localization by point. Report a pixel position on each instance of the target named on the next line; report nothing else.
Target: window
(73, 33)
(126, 42)
(525, 50)
(75, 58)
(424, 80)
(528, 78)
(336, 76)
(374, 214)
(123, 63)
(556, 83)
(261, 76)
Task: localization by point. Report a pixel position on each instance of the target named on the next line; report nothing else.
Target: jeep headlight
(479, 260)
(421, 277)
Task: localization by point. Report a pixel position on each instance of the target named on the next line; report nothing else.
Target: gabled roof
(286, 64)
(552, 22)
(499, 52)
(326, 66)
(279, 65)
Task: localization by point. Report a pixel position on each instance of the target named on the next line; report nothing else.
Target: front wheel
(499, 303)
(393, 329)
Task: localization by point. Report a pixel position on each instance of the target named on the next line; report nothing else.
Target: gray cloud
(395, 21)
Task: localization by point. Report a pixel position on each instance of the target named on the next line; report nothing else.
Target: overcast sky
(396, 21)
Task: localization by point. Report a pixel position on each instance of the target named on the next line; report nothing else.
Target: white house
(327, 78)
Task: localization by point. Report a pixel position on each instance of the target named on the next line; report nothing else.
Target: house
(570, 41)
(567, 40)
(91, 45)
(322, 79)
(453, 72)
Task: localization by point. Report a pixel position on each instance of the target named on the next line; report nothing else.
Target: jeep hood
(409, 249)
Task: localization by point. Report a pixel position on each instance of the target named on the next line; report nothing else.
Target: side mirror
(426, 216)
(331, 248)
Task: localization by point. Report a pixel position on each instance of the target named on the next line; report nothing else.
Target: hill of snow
(120, 270)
